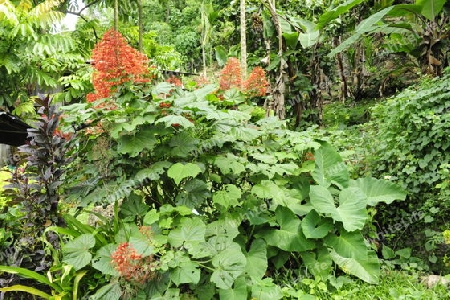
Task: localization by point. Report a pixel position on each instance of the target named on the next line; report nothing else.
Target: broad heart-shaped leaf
(318, 262)
(378, 190)
(367, 269)
(257, 259)
(291, 39)
(267, 189)
(348, 244)
(430, 8)
(189, 230)
(227, 197)
(180, 171)
(329, 167)
(76, 252)
(351, 210)
(137, 142)
(228, 265)
(315, 227)
(102, 260)
(174, 119)
(187, 271)
(289, 237)
(238, 292)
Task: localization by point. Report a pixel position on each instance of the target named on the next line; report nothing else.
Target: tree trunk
(280, 83)
(243, 42)
(340, 66)
(116, 15)
(141, 26)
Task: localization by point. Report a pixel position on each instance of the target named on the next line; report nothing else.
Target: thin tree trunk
(116, 15)
(340, 66)
(141, 26)
(280, 84)
(243, 42)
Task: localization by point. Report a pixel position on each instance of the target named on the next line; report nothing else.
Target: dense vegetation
(269, 165)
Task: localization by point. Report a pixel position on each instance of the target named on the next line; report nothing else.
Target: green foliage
(226, 199)
(407, 142)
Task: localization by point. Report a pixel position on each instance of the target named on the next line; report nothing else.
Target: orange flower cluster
(131, 265)
(256, 84)
(174, 80)
(115, 62)
(230, 77)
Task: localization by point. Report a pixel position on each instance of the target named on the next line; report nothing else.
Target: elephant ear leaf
(329, 167)
(377, 190)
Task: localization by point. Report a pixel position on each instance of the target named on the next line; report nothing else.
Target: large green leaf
(329, 167)
(187, 271)
(137, 142)
(379, 190)
(170, 120)
(336, 12)
(153, 172)
(289, 237)
(111, 291)
(228, 197)
(189, 230)
(76, 252)
(347, 244)
(221, 55)
(229, 164)
(367, 269)
(102, 260)
(257, 259)
(368, 25)
(194, 193)
(319, 263)
(181, 171)
(430, 8)
(315, 227)
(291, 39)
(350, 252)
(309, 38)
(265, 289)
(228, 265)
(351, 210)
(238, 292)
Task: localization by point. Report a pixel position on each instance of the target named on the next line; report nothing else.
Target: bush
(409, 144)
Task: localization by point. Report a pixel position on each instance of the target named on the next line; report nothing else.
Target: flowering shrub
(256, 84)
(230, 77)
(115, 63)
(131, 265)
(174, 80)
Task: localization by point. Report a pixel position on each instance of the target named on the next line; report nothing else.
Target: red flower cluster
(131, 265)
(115, 62)
(256, 84)
(230, 76)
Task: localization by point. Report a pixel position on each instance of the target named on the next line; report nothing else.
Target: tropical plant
(33, 56)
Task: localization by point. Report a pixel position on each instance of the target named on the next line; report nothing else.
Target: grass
(394, 285)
